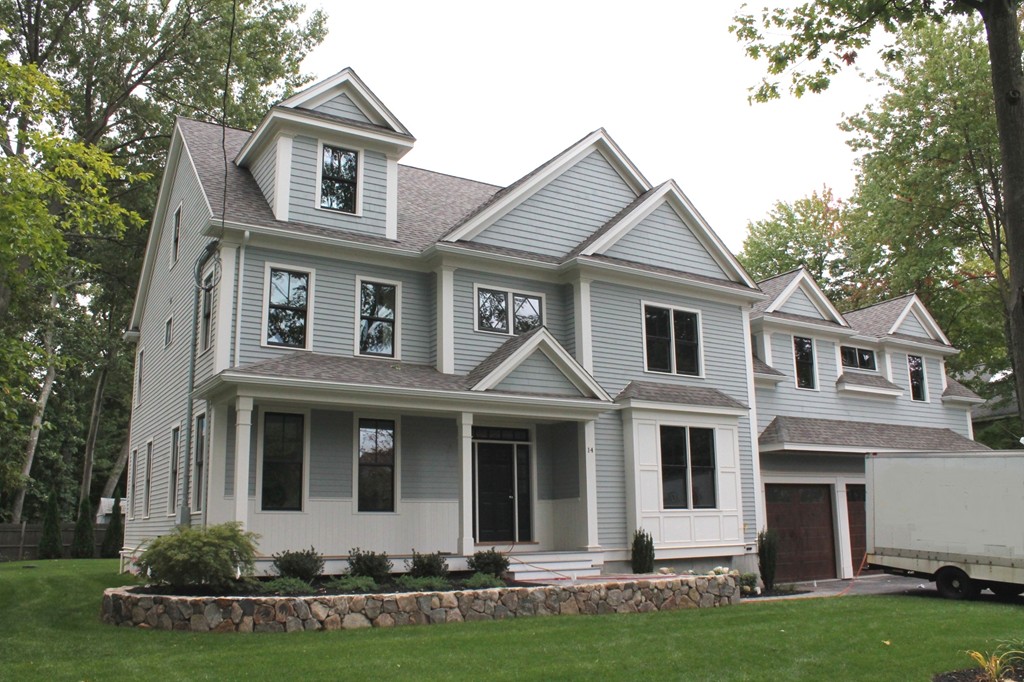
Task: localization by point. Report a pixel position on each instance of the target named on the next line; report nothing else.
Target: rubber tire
(1006, 590)
(953, 583)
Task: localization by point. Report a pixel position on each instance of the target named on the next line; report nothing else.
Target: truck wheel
(1006, 590)
(953, 583)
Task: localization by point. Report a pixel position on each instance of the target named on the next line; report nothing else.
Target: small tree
(83, 546)
(767, 556)
(50, 544)
(642, 556)
(114, 539)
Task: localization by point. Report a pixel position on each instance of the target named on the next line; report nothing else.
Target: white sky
(492, 90)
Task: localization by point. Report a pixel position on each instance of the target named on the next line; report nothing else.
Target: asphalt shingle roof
(870, 380)
(859, 436)
(682, 395)
(954, 389)
(879, 318)
(762, 367)
(773, 286)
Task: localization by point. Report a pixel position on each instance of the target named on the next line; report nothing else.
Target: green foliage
(748, 580)
(50, 544)
(767, 556)
(641, 555)
(113, 541)
(209, 557)
(427, 565)
(489, 561)
(426, 583)
(304, 564)
(369, 564)
(996, 665)
(483, 581)
(286, 587)
(83, 545)
(354, 584)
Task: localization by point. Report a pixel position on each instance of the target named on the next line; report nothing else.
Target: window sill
(657, 373)
(338, 211)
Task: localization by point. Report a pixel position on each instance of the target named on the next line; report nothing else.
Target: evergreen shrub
(83, 545)
(642, 554)
(767, 556)
(113, 541)
(306, 564)
(489, 561)
(369, 564)
(50, 544)
(427, 565)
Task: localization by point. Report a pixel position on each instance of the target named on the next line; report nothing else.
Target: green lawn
(831, 638)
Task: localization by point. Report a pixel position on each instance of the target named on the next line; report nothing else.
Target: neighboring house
(832, 389)
(394, 359)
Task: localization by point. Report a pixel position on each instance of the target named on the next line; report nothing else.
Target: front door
(502, 492)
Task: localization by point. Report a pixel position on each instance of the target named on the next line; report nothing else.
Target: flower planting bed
(125, 608)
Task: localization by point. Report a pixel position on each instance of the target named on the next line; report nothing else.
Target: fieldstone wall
(346, 612)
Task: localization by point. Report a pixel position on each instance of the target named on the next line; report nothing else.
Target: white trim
(925, 318)
(653, 406)
(839, 358)
(238, 300)
(814, 357)
(173, 491)
(510, 295)
(318, 188)
(397, 473)
(147, 482)
(346, 82)
(140, 367)
(222, 314)
(175, 253)
(310, 288)
(133, 482)
(243, 448)
(445, 319)
(760, 513)
(196, 490)
(599, 141)
(397, 332)
(283, 177)
(871, 390)
(169, 331)
(583, 324)
(672, 348)
(924, 377)
(531, 445)
(391, 201)
(810, 288)
(306, 424)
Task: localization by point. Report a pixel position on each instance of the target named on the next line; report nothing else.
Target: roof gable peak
(805, 283)
(346, 82)
(917, 308)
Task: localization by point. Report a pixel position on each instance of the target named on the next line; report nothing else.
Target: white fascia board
(678, 408)
(839, 450)
(543, 340)
(670, 193)
(316, 244)
(916, 307)
(823, 330)
(769, 378)
(457, 255)
(923, 347)
(596, 141)
(960, 399)
(806, 283)
(623, 273)
(347, 82)
(873, 390)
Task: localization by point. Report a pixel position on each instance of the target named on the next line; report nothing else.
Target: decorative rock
(448, 601)
(293, 624)
(319, 611)
(301, 609)
(199, 624)
(384, 620)
(354, 621)
(332, 622)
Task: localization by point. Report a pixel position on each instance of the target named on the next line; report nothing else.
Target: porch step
(540, 567)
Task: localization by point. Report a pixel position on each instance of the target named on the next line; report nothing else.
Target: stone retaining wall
(345, 612)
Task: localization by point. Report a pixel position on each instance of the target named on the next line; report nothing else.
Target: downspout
(184, 512)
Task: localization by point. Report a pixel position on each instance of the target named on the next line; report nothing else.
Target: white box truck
(954, 518)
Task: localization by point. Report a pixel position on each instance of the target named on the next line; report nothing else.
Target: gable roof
(783, 287)
(812, 434)
(884, 319)
(347, 82)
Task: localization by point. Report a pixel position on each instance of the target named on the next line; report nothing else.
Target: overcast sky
(492, 90)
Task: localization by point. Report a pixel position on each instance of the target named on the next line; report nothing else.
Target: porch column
(844, 559)
(467, 543)
(243, 441)
(588, 482)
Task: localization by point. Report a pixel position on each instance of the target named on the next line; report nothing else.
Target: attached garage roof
(836, 435)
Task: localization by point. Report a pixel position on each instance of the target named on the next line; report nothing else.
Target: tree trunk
(115, 472)
(37, 424)
(94, 427)
(1008, 90)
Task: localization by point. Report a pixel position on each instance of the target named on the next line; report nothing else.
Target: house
(832, 388)
(386, 357)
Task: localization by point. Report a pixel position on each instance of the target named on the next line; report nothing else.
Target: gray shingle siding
(564, 212)
(537, 374)
(662, 239)
(799, 304)
(264, 171)
(344, 107)
(557, 461)
(330, 454)
(429, 458)
(912, 327)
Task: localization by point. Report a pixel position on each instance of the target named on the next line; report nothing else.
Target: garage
(855, 501)
(801, 515)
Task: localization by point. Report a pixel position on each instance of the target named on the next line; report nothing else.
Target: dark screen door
(495, 480)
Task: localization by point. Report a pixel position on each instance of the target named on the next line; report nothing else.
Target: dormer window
(858, 358)
(339, 171)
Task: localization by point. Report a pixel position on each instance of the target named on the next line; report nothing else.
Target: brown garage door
(802, 517)
(855, 499)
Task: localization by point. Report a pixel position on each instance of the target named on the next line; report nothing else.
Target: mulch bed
(975, 675)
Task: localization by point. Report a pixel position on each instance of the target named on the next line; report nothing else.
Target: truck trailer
(953, 518)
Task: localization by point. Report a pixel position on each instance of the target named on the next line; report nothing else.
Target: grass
(51, 631)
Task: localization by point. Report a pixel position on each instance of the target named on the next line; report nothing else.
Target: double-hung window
(672, 340)
(918, 385)
(207, 321)
(148, 485)
(688, 479)
(339, 179)
(288, 298)
(172, 487)
(803, 356)
(378, 318)
(858, 358)
(376, 478)
(197, 465)
(284, 437)
(508, 312)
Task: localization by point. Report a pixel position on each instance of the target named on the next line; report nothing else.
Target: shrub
(357, 584)
(304, 564)
(748, 581)
(369, 564)
(767, 556)
(83, 546)
(489, 561)
(427, 565)
(287, 587)
(483, 581)
(427, 583)
(113, 541)
(50, 544)
(641, 556)
(200, 557)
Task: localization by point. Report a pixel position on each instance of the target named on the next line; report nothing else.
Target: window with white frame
(688, 468)
(803, 358)
(148, 486)
(138, 379)
(378, 318)
(175, 235)
(671, 340)
(508, 312)
(339, 178)
(133, 495)
(197, 465)
(172, 487)
(918, 385)
(284, 447)
(168, 331)
(858, 358)
(288, 304)
(206, 324)
(377, 465)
